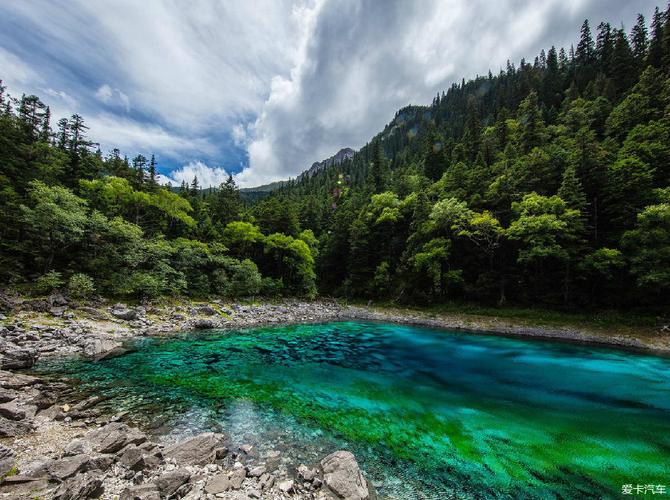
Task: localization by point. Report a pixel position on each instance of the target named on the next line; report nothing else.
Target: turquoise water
(429, 413)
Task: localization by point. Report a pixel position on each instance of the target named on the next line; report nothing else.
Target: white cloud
(289, 81)
(207, 176)
(108, 95)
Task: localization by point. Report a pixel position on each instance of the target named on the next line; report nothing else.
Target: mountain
(342, 155)
(317, 167)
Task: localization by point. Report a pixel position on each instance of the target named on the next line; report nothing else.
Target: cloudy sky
(261, 89)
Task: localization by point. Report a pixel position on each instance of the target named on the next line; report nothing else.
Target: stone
(113, 437)
(10, 380)
(198, 450)
(6, 395)
(266, 481)
(207, 310)
(170, 482)
(306, 473)
(57, 299)
(18, 358)
(11, 428)
(69, 466)
(124, 313)
(204, 324)
(218, 484)
(96, 347)
(286, 486)
(7, 456)
(343, 477)
(137, 459)
(254, 494)
(93, 313)
(257, 471)
(81, 487)
(12, 411)
(146, 491)
(237, 478)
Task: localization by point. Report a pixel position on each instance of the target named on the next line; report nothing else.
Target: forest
(545, 184)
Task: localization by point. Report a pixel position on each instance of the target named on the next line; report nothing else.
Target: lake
(429, 413)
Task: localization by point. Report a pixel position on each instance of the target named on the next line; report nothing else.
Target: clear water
(429, 413)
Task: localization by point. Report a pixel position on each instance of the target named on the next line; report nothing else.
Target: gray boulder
(96, 347)
(170, 482)
(10, 380)
(343, 477)
(198, 450)
(6, 459)
(218, 484)
(69, 466)
(18, 358)
(11, 428)
(113, 437)
(81, 487)
(12, 411)
(204, 324)
(121, 311)
(147, 491)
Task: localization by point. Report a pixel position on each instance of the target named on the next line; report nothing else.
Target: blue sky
(263, 89)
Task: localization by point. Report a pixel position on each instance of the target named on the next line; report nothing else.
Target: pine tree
(152, 171)
(571, 190)
(377, 176)
(655, 54)
(665, 42)
(604, 48)
(622, 62)
(639, 41)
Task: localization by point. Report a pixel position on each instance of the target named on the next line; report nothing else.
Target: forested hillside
(546, 183)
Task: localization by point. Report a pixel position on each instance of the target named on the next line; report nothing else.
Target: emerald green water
(429, 413)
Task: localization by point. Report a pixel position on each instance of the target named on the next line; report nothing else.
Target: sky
(262, 89)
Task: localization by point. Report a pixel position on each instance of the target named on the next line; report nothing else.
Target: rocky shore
(55, 445)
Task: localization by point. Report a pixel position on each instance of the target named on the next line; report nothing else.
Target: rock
(286, 486)
(93, 313)
(170, 482)
(306, 473)
(18, 358)
(113, 437)
(6, 459)
(69, 466)
(198, 450)
(6, 395)
(247, 449)
(207, 310)
(218, 484)
(257, 471)
(147, 491)
(10, 380)
(237, 478)
(124, 312)
(266, 481)
(81, 487)
(96, 347)
(254, 494)
(57, 300)
(57, 311)
(343, 477)
(12, 411)
(137, 459)
(11, 428)
(204, 324)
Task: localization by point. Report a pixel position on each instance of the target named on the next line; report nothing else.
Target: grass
(617, 322)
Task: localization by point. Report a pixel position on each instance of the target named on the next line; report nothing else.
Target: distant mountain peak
(342, 155)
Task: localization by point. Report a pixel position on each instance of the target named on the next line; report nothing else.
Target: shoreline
(53, 442)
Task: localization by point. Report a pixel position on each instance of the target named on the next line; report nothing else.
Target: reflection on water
(429, 413)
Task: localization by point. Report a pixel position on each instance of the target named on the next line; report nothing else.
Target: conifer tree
(655, 54)
(571, 190)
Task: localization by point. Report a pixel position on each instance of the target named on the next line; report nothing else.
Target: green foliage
(48, 282)
(80, 286)
(545, 227)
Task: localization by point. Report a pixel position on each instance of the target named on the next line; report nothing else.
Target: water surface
(429, 413)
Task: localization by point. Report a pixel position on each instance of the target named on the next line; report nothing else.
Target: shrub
(80, 286)
(48, 282)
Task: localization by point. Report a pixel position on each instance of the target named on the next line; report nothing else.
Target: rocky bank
(55, 446)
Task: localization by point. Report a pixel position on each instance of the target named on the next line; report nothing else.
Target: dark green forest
(546, 184)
